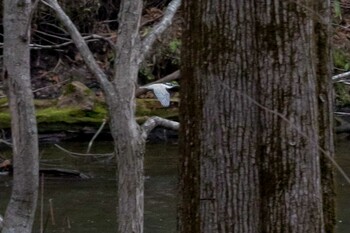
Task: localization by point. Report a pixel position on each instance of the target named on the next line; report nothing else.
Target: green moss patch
(70, 115)
(5, 120)
(69, 118)
(152, 107)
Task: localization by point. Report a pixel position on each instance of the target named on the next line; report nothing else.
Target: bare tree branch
(81, 45)
(95, 135)
(53, 36)
(64, 32)
(155, 121)
(6, 142)
(90, 38)
(82, 155)
(166, 21)
(341, 77)
(49, 86)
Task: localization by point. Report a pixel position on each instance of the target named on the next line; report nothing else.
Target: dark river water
(89, 206)
(343, 188)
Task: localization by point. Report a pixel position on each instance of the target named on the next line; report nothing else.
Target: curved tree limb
(6, 142)
(155, 121)
(95, 135)
(89, 38)
(157, 30)
(82, 155)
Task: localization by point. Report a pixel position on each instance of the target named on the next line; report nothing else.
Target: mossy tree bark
(256, 109)
(20, 211)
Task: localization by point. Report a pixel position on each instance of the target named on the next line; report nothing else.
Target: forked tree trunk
(20, 212)
(128, 143)
(256, 107)
(129, 137)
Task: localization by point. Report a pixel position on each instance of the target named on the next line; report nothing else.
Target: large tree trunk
(256, 104)
(291, 190)
(20, 212)
(219, 175)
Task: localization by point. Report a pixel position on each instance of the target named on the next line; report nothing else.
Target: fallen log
(60, 172)
(6, 168)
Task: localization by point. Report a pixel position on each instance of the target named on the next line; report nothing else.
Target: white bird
(160, 91)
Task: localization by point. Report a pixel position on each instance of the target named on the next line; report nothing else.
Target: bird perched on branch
(160, 90)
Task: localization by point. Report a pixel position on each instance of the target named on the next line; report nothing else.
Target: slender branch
(64, 32)
(52, 35)
(108, 21)
(53, 85)
(95, 135)
(90, 38)
(6, 142)
(81, 45)
(166, 21)
(82, 155)
(155, 121)
(342, 113)
(44, 39)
